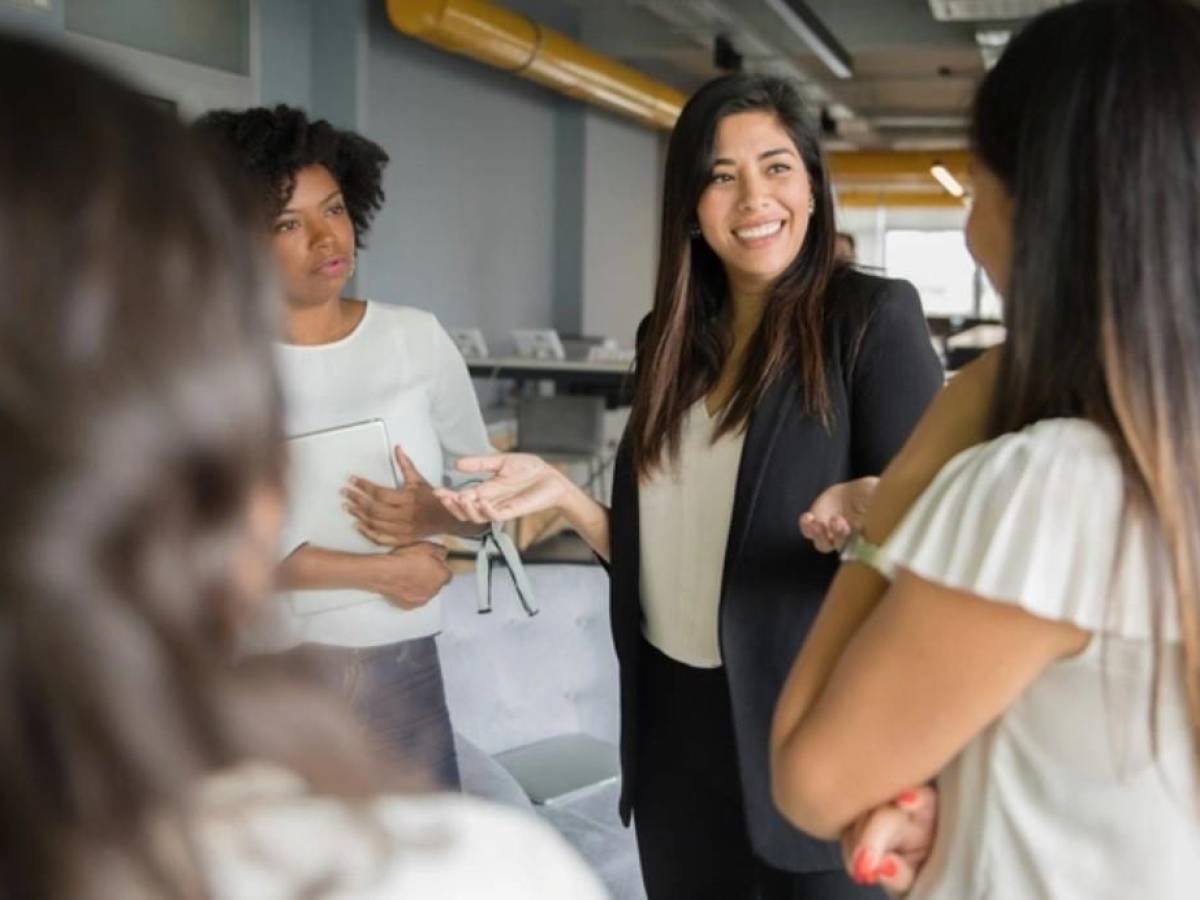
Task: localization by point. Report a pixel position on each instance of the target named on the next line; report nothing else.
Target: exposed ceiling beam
(802, 20)
(918, 199)
(881, 165)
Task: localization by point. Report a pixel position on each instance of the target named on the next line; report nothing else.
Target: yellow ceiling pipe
(517, 44)
(848, 166)
(903, 199)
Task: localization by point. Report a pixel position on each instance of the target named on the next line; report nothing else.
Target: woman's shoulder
(1040, 518)
(498, 851)
(1061, 469)
(1079, 447)
(268, 837)
(409, 318)
(416, 331)
(858, 303)
(850, 284)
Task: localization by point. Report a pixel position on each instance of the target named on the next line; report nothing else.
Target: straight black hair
(139, 419)
(1091, 119)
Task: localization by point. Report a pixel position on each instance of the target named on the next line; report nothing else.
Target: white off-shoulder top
(1065, 795)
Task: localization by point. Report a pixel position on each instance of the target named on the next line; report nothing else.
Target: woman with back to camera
(766, 374)
(1037, 649)
(140, 433)
(346, 360)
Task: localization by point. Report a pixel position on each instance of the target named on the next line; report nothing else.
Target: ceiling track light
(952, 185)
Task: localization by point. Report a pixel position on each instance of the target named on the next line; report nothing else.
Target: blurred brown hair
(138, 415)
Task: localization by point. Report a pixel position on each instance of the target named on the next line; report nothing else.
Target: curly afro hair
(270, 145)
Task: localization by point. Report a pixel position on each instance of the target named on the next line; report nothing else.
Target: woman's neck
(745, 313)
(322, 323)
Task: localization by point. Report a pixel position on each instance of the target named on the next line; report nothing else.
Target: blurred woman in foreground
(140, 433)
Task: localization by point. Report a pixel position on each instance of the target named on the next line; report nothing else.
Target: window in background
(938, 265)
(213, 33)
(989, 300)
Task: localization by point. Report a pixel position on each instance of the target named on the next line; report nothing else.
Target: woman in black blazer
(757, 337)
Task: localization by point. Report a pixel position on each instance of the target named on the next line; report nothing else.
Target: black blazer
(883, 373)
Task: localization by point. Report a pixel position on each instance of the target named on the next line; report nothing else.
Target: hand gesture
(520, 484)
(409, 576)
(837, 512)
(889, 845)
(393, 517)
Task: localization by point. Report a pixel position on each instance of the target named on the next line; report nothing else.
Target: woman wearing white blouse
(345, 360)
(1029, 633)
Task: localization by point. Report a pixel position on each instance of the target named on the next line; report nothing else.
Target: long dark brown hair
(686, 341)
(139, 414)
(1092, 121)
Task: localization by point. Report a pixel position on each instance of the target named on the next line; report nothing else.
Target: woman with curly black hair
(345, 360)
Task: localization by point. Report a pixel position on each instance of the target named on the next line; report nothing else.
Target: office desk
(612, 380)
(607, 376)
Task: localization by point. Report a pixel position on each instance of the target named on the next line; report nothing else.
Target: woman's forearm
(316, 568)
(587, 516)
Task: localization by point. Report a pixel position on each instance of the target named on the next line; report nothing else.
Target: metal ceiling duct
(521, 46)
(805, 23)
(990, 10)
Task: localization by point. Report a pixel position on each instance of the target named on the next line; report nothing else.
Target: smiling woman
(769, 376)
(346, 360)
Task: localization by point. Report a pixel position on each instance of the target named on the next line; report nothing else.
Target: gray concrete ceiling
(913, 74)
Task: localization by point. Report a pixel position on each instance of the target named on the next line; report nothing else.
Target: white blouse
(1063, 796)
(684, 513)
(398, 365)
(263, 836)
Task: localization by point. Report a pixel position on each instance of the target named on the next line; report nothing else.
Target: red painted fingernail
(888, 867)
(863, 866)
(906, 798)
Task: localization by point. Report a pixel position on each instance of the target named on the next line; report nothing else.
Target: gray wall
(620, 224)
(286, 69)
(468, 231)
(21, 15)
(508, 205)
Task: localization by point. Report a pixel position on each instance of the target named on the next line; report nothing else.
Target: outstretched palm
(521, 484)
(836, 512)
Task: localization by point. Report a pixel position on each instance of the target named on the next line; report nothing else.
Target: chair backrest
(511, 679)
(561, 424)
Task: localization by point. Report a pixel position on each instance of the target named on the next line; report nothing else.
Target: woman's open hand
(521, 484)
(394, 517)
(837, 512)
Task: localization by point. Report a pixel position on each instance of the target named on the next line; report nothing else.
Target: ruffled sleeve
(1037, 518)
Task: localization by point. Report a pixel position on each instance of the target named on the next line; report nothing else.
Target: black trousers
(687, 803)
